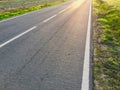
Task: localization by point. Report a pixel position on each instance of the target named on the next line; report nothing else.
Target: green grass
(12, 4)
(19, 11)
(107, 45)
(115, 3)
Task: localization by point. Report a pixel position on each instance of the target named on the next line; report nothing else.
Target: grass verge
(19, 11)
(106, 46)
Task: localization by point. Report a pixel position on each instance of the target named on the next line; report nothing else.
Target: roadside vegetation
(106, 26)
(7, 13)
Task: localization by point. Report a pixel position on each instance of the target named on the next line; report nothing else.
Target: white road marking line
(49, 18)
(62, 11)
(54, 16)
(86, 67)
(16, 37)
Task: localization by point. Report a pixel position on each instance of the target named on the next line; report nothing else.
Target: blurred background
(13, 4)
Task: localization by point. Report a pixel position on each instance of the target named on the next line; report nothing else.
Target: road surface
(44, 49)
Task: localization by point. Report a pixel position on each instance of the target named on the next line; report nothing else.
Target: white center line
(86, 68)
(49, 18)
(46, 20)
(62, 11)
(16, 37)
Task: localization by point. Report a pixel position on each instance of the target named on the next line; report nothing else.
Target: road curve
(44, 49)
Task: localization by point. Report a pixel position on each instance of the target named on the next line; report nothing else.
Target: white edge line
(16, 37)
(86, 67)
(49, 18)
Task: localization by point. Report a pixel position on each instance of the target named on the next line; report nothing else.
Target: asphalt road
(44, 50)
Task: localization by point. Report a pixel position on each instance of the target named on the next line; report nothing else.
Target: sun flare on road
(77, 3)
